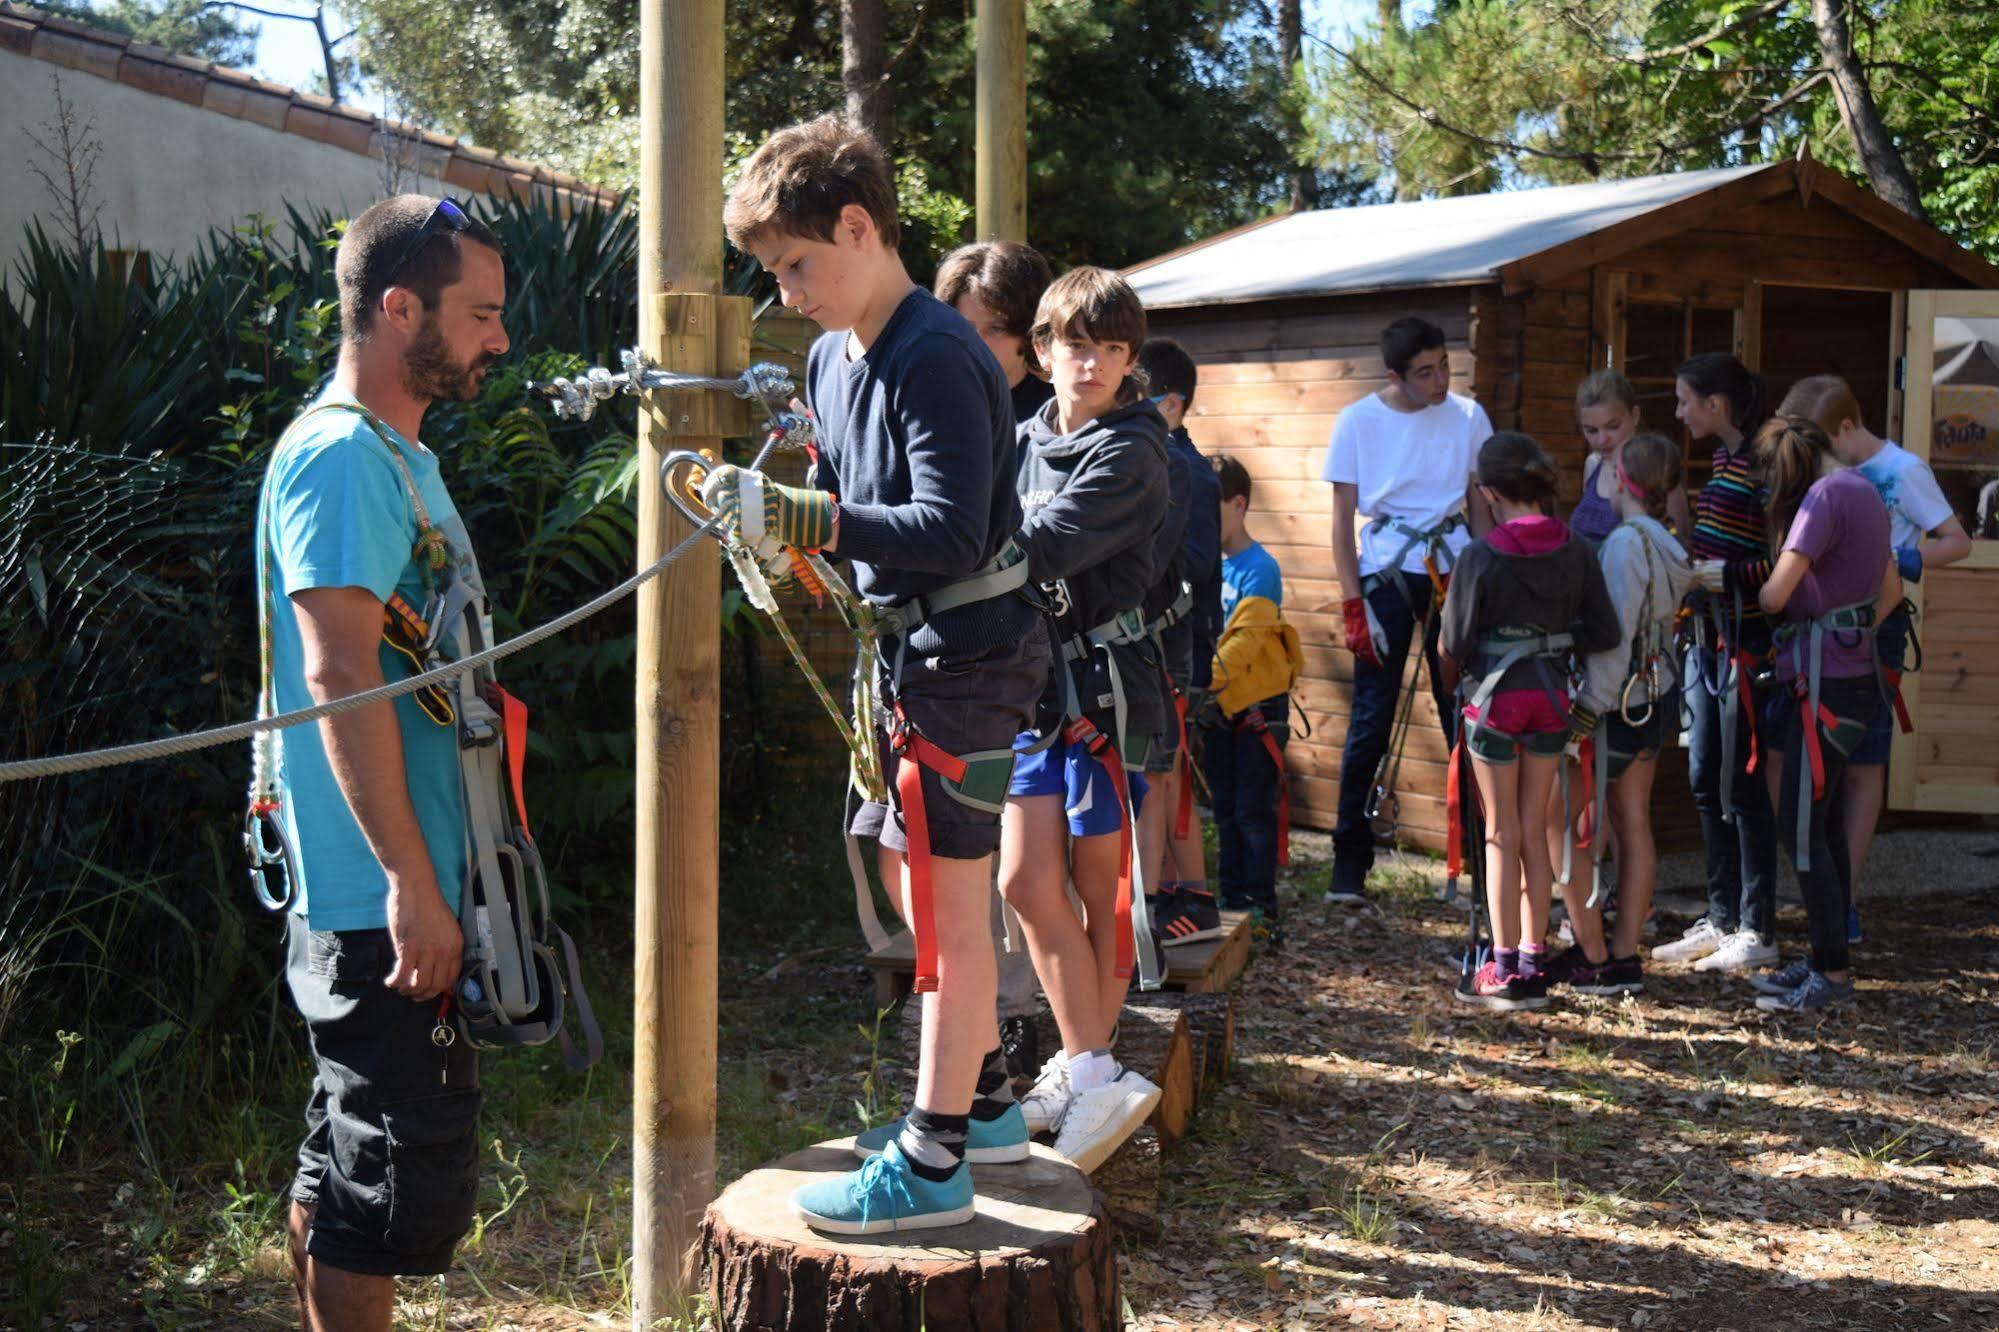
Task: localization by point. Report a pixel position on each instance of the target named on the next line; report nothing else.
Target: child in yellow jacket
(1243, 737)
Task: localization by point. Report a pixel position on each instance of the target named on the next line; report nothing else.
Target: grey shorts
(1163, 754)
(391, 1151)
(971, 704)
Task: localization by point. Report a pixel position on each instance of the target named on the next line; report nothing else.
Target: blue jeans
(1741, 854)
(1242, 793)
(1376, 690)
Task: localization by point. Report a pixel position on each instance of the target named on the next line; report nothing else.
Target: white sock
(1090, 1070)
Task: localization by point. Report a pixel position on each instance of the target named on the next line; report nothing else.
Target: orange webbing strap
(1084, 732)
(1454, 812)
(514, 721)
(916, 754)
(1814, 750)
(1745, 669)
(1252, 720)
(1183, 815)
(1893, 679)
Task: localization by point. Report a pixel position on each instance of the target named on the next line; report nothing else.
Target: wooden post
(1002, 120)
(678, 728)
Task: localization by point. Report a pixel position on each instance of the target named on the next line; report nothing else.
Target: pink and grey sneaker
(1512, 994)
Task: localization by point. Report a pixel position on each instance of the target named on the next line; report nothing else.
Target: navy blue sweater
(916, 438)
(1201, 555)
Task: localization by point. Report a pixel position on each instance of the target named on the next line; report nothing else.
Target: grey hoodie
(1092, 503)
(1642, 566)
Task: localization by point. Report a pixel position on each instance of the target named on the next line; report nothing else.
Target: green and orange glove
(758, 512)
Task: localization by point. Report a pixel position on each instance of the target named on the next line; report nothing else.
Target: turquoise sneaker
(1001, 1141)
(885, 1195)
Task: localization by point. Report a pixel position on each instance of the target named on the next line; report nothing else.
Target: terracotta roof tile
(243, 96)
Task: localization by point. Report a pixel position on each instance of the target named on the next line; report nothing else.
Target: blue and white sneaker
(885, 1195)
(1001, 1141)
(1814, 993)
(1784, 979)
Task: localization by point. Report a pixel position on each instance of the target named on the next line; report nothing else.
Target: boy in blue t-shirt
(1242, 777)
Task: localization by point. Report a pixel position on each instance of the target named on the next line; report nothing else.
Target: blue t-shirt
(334, 512)
(1251, 572)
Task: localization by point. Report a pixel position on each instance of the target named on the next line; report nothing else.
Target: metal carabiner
(273, 862)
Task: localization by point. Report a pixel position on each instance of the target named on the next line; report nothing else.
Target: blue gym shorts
(1069, 770)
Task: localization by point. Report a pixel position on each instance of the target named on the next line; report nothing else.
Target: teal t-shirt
(335, 512)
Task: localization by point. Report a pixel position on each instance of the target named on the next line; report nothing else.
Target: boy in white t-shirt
(1403, 458)
(1926, 534)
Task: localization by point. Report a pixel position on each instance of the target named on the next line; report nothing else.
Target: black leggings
(1827, 886)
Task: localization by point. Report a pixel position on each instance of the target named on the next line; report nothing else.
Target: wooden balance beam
(1207, 967)
(1039, 1254)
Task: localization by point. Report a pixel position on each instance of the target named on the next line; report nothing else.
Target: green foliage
(1491, 93)
(1191, 140)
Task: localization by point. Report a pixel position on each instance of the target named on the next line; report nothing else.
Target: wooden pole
(678, 719)
(1002, 120)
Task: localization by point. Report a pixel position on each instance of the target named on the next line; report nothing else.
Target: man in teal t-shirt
(371, 798)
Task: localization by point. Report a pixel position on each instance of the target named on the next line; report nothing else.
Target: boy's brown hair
(1006, 276)
(1233, 476)
(797, 183)
(1097, 304)
(1825, 400)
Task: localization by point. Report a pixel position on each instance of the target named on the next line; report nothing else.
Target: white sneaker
(1100, 1119)
(1743, 950)
(1696, 943)
(1048, 1098)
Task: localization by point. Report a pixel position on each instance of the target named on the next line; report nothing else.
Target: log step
(1040, 1254)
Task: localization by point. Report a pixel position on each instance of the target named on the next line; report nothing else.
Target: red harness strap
(1745, 668)
(1893, 679)
(1082, 731)
(1814, 750)
(915, 754)
(1252, 720)
(1586, 771)
(1454, 812)
(1183, 815)
(514, 721)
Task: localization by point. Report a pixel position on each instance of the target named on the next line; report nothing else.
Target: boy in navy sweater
(914, 486)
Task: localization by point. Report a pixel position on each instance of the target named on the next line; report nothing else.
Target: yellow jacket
(1258, 657)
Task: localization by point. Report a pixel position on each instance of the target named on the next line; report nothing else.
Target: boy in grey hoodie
(1093, 491)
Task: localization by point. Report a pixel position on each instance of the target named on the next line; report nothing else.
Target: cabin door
(1950, 416)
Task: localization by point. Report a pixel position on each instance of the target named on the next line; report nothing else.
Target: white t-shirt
(1916, 505)
(1411, 466)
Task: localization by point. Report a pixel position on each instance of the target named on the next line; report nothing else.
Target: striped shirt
(1728, 522)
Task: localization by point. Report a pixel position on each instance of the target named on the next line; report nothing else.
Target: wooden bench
(1206, 967)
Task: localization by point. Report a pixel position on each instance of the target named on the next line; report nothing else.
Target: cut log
(1211, 1030)
(1152, 1040)
(1039, 1255)
(1130, 1183)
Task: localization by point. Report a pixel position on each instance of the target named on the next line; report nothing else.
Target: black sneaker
(1347, 889)
(1185, 915)
(1021, 1045)
(1487, 990)
(1573, 968)
(1620, 975)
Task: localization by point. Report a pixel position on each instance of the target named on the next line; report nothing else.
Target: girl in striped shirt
(1720, 399)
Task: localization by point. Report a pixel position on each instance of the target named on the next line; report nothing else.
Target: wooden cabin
(1790, 266)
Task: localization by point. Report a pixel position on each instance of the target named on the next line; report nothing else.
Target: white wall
(168, 171)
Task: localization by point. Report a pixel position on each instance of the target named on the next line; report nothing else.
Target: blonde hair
(1825, 400)
(1601, 387)
(1097, 304)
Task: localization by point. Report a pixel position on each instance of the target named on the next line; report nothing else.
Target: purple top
(1595, 518)
(1842, 528)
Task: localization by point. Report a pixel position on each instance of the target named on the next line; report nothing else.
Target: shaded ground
(1382, 1158)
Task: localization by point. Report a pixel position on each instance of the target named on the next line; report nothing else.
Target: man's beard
(430, 373)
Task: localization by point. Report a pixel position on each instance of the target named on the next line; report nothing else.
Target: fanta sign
(1961, 433)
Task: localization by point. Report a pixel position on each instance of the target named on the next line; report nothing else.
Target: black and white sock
(933, 1144)
(995, 1090)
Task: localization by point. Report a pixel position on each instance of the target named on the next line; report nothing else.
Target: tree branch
(1663, 54)
(916, 31)
(1588, 157)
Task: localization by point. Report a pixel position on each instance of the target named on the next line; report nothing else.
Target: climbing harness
(1814, 716)
(976, 779)
(1728, 673)
(1182, 606)
(1497, 655)
(1132, 913)
(1435, 542)
(1254, 722)
(513, 990)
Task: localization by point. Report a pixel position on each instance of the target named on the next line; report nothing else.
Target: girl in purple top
(1607, 414)
(1831, 533)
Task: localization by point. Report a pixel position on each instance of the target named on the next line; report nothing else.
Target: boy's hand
(1360, 631)
(753, 509)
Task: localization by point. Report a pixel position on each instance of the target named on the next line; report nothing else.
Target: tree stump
(1040, 1255)
(1130, 1183)
(1152, 1040)
(1211, 1030)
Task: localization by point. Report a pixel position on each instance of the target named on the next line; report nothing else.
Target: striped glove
(1582, 723)
(756, 511)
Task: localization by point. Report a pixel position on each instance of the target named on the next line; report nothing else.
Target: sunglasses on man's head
(446, 218)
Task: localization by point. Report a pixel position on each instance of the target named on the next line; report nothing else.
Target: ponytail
(1518, 468)
(1718, 374)
(1788, 451)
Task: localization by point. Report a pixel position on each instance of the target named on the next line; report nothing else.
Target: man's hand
(1360, 631)
(429, 945)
